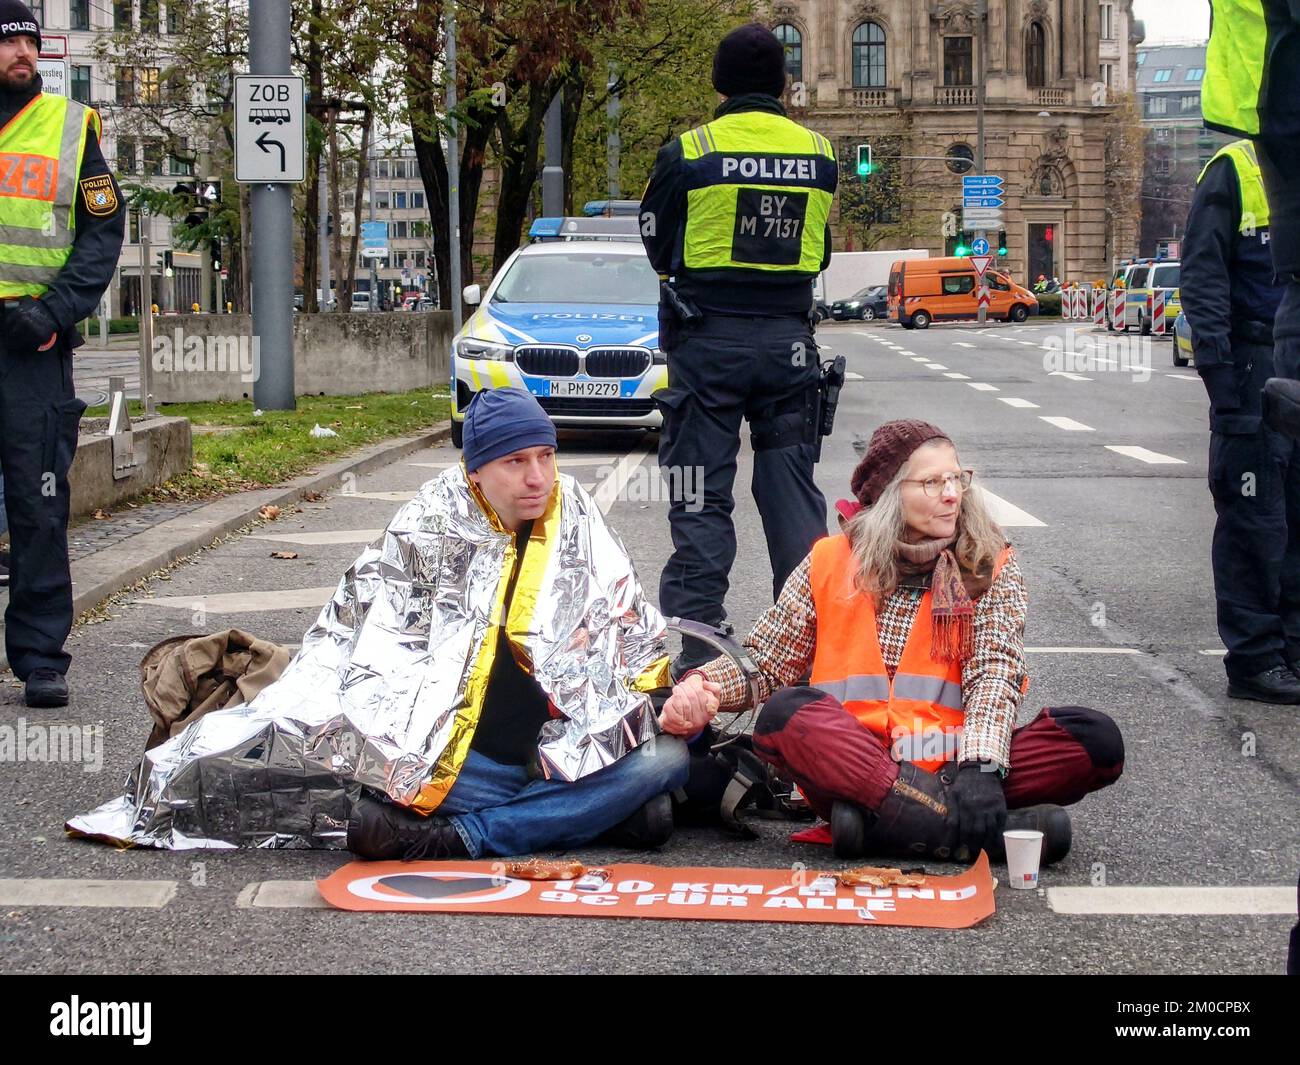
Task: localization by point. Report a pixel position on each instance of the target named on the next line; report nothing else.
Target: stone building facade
(902, 75)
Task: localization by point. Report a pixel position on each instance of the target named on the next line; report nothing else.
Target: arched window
(869, 57)
(1035, 56)
(792, 40)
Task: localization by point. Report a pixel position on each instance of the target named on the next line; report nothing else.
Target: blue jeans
(499, 810)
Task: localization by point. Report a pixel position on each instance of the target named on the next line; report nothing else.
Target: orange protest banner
(699, 894)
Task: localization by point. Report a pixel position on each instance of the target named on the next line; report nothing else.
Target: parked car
(361, 301)
(922, 291)
(864, 305)
(1182, 341)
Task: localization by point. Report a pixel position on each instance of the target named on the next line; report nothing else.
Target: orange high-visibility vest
(919, 712)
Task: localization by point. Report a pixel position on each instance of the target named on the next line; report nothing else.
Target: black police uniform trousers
(39, 419)
(721, 370)
(1255, 481)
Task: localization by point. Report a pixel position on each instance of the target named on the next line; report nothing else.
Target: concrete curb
(107, 572)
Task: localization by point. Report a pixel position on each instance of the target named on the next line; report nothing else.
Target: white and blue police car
(573, 318)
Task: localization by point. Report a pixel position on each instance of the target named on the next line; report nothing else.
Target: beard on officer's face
(17, 76)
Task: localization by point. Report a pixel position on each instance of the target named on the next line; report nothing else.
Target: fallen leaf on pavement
(102, 515)
(284, 554)
(270, 512)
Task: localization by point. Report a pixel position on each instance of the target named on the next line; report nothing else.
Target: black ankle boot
(651, 826)
(1052, 821)
(379, 831)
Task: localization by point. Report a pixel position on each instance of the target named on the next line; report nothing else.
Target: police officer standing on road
(1230, 298)
(61, 227)
(734, 220)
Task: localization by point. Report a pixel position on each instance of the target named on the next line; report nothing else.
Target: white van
(361, 301)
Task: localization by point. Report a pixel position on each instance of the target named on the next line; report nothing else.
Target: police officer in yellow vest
(61, 226)
(734, 220)
(1230, 297)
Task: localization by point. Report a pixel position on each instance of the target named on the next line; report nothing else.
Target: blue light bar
(545, 227)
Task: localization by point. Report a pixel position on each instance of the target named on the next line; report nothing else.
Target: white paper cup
(1024, 850)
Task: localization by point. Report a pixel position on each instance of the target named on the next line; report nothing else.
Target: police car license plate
(584, 388)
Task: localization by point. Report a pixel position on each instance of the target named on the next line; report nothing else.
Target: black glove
(981, 806)
(30, 324)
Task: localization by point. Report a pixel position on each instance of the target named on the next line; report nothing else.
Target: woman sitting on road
(912, 624)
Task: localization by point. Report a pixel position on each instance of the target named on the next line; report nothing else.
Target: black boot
(1276, 685)
(46, 687)
(1052, 821)
(650, 827)
(379, 831)
(917, 819)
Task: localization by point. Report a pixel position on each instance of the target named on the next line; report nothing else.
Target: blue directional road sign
(990, 182)
(981, 190)
(979, 247)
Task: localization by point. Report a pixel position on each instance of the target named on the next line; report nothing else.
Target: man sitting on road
(476, 686)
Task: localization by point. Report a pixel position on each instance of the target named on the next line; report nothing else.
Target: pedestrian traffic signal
(1002, 242)
(864, 160)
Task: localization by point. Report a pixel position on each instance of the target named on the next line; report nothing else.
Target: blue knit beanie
(502, 420)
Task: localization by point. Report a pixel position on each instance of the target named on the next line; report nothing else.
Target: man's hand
(981, 806)
(692, 705)
(30, 325)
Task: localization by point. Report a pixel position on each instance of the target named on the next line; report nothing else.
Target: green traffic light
(961, 249)
(864, 169)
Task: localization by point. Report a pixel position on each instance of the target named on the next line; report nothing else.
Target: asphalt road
(1115, 551)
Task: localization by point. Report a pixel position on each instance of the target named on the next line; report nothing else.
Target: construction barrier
(1158, 312)
(1099, 308)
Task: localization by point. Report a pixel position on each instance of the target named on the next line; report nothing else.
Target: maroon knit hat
(890, 448)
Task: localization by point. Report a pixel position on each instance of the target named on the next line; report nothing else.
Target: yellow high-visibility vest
(759, 191)
(1254, 204)
(41, 150)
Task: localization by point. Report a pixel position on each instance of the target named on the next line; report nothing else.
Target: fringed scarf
(953, 594)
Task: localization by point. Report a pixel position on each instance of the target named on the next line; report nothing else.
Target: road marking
(1068, 424)
(850, 375)
(612, 486)
(1012, 402)
(384, 497)
(935, 366)
(1068, 376)
(334, 536)
(962, 344)
(244, 602)
(957, 376)
(127, 894)
(1008, 514)
(1214, 652)
(1027, 343)
(920, 358)
(980, 386)
(1183, 376)
(1173, 900)
(1084, 650)
(1154, 458)
(281, 895)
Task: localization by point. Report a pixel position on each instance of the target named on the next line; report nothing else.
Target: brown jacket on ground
(186, 676)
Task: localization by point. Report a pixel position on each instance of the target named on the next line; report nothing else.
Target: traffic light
(964, 243)
(1002, 242)
(864, 160)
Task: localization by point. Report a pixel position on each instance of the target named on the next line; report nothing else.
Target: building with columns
(902, 75)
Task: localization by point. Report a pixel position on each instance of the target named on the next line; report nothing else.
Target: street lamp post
(982, 313)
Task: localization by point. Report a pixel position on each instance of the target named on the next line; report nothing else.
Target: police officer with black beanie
(61, 228)
(734, 221)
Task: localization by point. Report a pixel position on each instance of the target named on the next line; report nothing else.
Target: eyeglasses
(936, 486)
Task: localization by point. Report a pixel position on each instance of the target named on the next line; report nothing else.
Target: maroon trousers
(808, 737)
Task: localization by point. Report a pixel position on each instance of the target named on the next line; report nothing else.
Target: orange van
(922, 291)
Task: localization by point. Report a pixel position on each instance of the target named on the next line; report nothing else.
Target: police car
(573, 318)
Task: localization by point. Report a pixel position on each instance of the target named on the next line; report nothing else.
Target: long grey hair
(876, 531)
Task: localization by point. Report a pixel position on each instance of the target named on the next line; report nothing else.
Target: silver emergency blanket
(387, 687)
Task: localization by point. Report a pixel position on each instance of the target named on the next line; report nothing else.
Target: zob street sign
(270, 129)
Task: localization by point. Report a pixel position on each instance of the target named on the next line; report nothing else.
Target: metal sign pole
(146, 317)
(453, 173)
(272, 233)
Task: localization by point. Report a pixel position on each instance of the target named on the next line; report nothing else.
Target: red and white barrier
(1158, 312)
(1099, 308)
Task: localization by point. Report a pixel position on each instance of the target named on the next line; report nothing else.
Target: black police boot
(1275, 685)
(380, 831)
(46, 687)
(1282, 406)
(1052, 821)
(650, 827)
